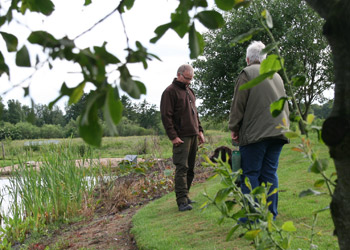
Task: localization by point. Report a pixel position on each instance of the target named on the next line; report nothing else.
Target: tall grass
(53, 192)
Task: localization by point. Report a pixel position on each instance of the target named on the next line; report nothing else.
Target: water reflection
(5, 198)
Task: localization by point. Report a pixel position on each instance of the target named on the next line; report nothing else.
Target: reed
(55, 191)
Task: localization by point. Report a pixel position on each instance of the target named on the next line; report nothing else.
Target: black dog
(223, 152)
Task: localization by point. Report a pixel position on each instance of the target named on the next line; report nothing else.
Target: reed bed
(54, 192)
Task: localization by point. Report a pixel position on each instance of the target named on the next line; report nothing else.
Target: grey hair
(185, 67)
(254, 52)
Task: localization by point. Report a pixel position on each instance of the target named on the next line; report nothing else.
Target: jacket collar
(179, 84)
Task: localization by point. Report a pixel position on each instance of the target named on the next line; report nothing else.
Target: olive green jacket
(250, 114)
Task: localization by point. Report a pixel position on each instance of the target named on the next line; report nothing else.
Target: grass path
(159, 225)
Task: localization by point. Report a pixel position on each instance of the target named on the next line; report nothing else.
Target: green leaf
(89, 128)
(319, 183)
(258, 190)
(222, 194)
(26, 91)
(87, 2)
(310, 118)
(196, 43)
(247, 183)
(160, 31)
(112, 111)
(232, 230)
(291, 134)
(270, 47)
(250, 235)
(105, 56)
(76, 93)
(2, 20)
(45, 7)
(239, 214)
(225, 4)
(299, 80)
(319, 165)
(266, 14)
(245, 36)
(141, 87)
(256, 80)
(3, 66)
(271, 63)
(11, 41)
(241, 3)
(22, 57)
(286, 243)
(277, 106)
(125, 4)
(201, 3)
(308, 193)
(43, 38)
(91, 132)
(211, 19)
(288, 226)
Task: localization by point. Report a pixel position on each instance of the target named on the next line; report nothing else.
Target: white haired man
(253, 127)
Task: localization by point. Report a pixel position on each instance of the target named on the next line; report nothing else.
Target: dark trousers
(259, 162)
(184, 157)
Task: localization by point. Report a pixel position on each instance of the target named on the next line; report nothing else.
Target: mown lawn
(160, 225)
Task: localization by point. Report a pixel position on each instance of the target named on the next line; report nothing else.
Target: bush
(51, 131)
(71, 129)
(9, 131)
(28, 130)
(127, 128)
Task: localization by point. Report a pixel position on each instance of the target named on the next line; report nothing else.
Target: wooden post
(3, 150)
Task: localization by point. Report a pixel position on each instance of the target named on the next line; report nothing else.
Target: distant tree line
(18, 122)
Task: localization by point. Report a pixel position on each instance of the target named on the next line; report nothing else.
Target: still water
(5, 198)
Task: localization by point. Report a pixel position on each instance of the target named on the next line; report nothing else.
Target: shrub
(9, 131)
(71, 129)
(28, 130)
(51, 131)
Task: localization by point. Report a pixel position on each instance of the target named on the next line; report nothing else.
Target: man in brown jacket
(254, 128)
(181, 122)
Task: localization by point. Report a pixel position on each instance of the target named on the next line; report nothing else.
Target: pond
(35, 143)
(5, 198)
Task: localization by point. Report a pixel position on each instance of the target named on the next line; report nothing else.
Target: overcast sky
(70, 19)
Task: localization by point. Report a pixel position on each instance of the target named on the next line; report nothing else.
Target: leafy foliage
(93, 62)
(224, 55)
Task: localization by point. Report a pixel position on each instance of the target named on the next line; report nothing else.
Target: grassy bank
(160, 226)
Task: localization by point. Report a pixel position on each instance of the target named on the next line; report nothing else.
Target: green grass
(112, 147)
(159, 225)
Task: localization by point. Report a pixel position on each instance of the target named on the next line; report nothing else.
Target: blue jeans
(259, 162)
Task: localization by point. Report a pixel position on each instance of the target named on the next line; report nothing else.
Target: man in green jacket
(253, 127)
(181, 122)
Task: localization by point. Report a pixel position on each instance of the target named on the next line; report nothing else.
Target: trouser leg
(259, 163)
(269, 171)
(252, 156)
(184, 162)
(191, 161)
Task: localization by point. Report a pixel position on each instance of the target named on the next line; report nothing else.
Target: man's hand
(234, 136)
(177, 141)
(201, 137)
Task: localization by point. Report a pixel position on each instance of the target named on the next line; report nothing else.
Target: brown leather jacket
(178, 110)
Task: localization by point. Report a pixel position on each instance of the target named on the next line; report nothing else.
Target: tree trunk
(336, 128)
